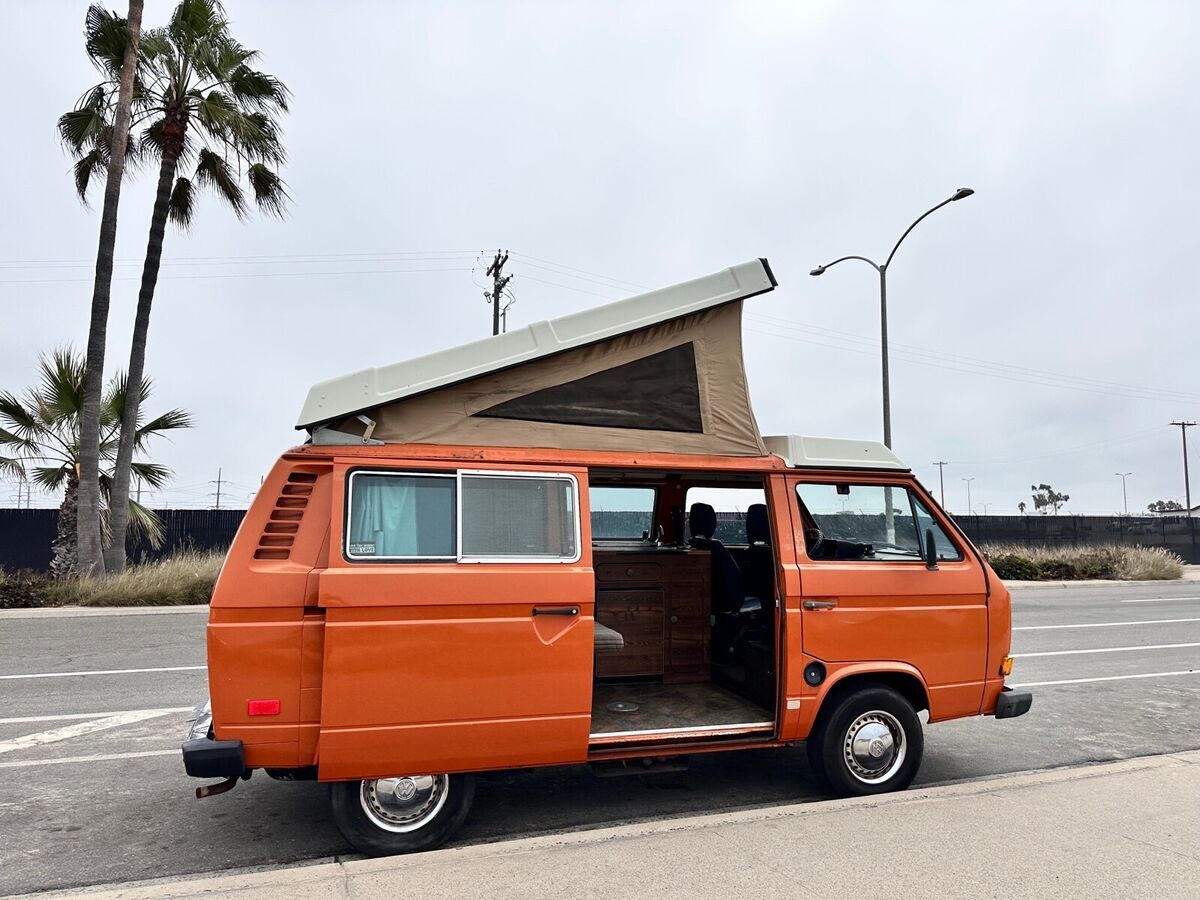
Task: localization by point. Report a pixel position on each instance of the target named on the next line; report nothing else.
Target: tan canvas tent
(658, 372)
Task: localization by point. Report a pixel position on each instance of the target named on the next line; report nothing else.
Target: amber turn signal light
(1006, 666)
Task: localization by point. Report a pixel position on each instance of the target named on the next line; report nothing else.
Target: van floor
(671, 707)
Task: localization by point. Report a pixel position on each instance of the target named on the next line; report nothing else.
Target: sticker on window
(363, 548)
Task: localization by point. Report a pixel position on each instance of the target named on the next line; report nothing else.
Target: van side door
(867, 594)
(459, 619)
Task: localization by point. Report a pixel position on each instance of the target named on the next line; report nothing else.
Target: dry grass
(1071, 563)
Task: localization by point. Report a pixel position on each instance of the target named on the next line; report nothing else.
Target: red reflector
(262, 708)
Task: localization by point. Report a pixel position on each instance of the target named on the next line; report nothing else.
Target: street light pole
(970, 509)
(941, 464)
(882, 268)
(1124, 496)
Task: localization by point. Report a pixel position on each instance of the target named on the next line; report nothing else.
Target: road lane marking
(1104, 624)
(1106, 650)
(79, 729)
(105, 672)
(98, 757)
(66, 717)
(1158, 599)
(1101, 678)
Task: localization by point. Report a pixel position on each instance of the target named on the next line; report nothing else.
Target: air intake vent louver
(280, 532)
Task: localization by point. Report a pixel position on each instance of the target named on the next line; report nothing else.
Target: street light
(970, 509)
(1124, 496)
(960, 194)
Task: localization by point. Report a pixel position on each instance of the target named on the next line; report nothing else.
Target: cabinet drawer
(617, 572)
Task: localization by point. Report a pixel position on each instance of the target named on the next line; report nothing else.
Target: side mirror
(931, 556)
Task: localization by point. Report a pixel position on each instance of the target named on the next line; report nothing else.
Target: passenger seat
(758, 566)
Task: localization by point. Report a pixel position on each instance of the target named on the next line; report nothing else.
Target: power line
(193, 277)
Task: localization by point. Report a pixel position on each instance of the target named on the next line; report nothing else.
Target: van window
(401, 516)
(946, 548)
(510, 517)
(730, 505)
(852, 522)
(621, 512)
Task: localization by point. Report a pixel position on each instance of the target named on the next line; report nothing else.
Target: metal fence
(26, 534)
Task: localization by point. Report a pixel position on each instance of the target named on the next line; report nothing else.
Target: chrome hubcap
(405, 803)
(875, 747)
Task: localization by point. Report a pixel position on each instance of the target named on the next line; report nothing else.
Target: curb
(286, 881)
(71, 612)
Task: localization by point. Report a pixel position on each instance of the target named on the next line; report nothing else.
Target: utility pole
(942, 479)
(499, 283)
(218, 484)
(970, 509)
(1124, 495)
(1187, 485)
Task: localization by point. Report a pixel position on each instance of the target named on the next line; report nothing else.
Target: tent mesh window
(660, 392)
(518, 517)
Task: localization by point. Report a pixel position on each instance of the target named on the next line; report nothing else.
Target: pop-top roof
(802, 451)
(335, 400)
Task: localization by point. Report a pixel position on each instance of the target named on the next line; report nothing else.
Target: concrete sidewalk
(1128, 829)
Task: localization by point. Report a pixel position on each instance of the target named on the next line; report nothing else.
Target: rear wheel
(404, 814)
(868, 742)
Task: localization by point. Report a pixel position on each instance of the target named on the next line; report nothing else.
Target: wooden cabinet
(660, 604)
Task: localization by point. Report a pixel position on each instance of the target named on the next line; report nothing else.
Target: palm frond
(11, 465)
(270, 193)
(155, 43)
(215, 112)
(212, 171)
(106, 37)
(52, 477)
(61, 390)
(258, 89)
(79, 128)
(171, 420)
(181, 208)
(195, 21)
(12, 442)
(144, 523)
(152, 474)
(256, 135)
(85, 167)
(22, 420)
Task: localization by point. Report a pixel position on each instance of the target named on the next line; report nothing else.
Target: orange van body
(367, 669)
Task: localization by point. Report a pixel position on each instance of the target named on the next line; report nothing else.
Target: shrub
(27, 590)
(1069, 563)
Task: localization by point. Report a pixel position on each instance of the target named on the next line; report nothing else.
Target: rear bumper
(205, 758)
(1011, 704)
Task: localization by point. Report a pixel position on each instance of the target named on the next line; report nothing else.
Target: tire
(868, 742)
(377, 818)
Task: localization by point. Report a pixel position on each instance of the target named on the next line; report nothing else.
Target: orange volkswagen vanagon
(570, 543)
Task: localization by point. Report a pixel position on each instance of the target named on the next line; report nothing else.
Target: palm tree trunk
(65, 549)
(88, 522)
(118, 501)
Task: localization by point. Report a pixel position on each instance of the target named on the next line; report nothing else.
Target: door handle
(819, 604)
(556, 610)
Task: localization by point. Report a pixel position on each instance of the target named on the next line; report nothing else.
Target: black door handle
(556, 610)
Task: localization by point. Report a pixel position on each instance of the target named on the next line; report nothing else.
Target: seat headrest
(758, 529)
(702, 521)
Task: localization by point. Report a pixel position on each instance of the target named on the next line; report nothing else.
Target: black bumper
(206, 758)
(1011, 704)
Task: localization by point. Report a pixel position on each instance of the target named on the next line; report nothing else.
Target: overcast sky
(1043, 330)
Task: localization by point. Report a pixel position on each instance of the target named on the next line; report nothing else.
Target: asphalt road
(92, 788)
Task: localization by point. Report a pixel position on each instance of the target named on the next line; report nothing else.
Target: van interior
(686, 620)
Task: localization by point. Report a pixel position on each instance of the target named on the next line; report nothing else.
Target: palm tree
(112, 46)
(201, 106)
(39, 439)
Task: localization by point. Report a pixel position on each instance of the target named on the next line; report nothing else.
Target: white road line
(105, 672)
(99, 757)
(66, 717)
(1158, 599)
(1106, 650)
(79, 729)
(1101, 678)
(1104, 624)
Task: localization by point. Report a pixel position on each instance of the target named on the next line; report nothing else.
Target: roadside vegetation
(187, 578)
(1016, 563)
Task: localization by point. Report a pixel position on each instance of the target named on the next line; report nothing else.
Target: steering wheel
(814, 540)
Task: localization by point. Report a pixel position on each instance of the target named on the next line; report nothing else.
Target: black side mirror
(931, 557)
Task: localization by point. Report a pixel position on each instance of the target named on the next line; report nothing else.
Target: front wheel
(405, 814)
(869, 742)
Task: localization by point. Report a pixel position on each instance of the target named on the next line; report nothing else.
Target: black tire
(875, 710)
(430, 825)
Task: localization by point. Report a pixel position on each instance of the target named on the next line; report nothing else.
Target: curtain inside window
(402, 516)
